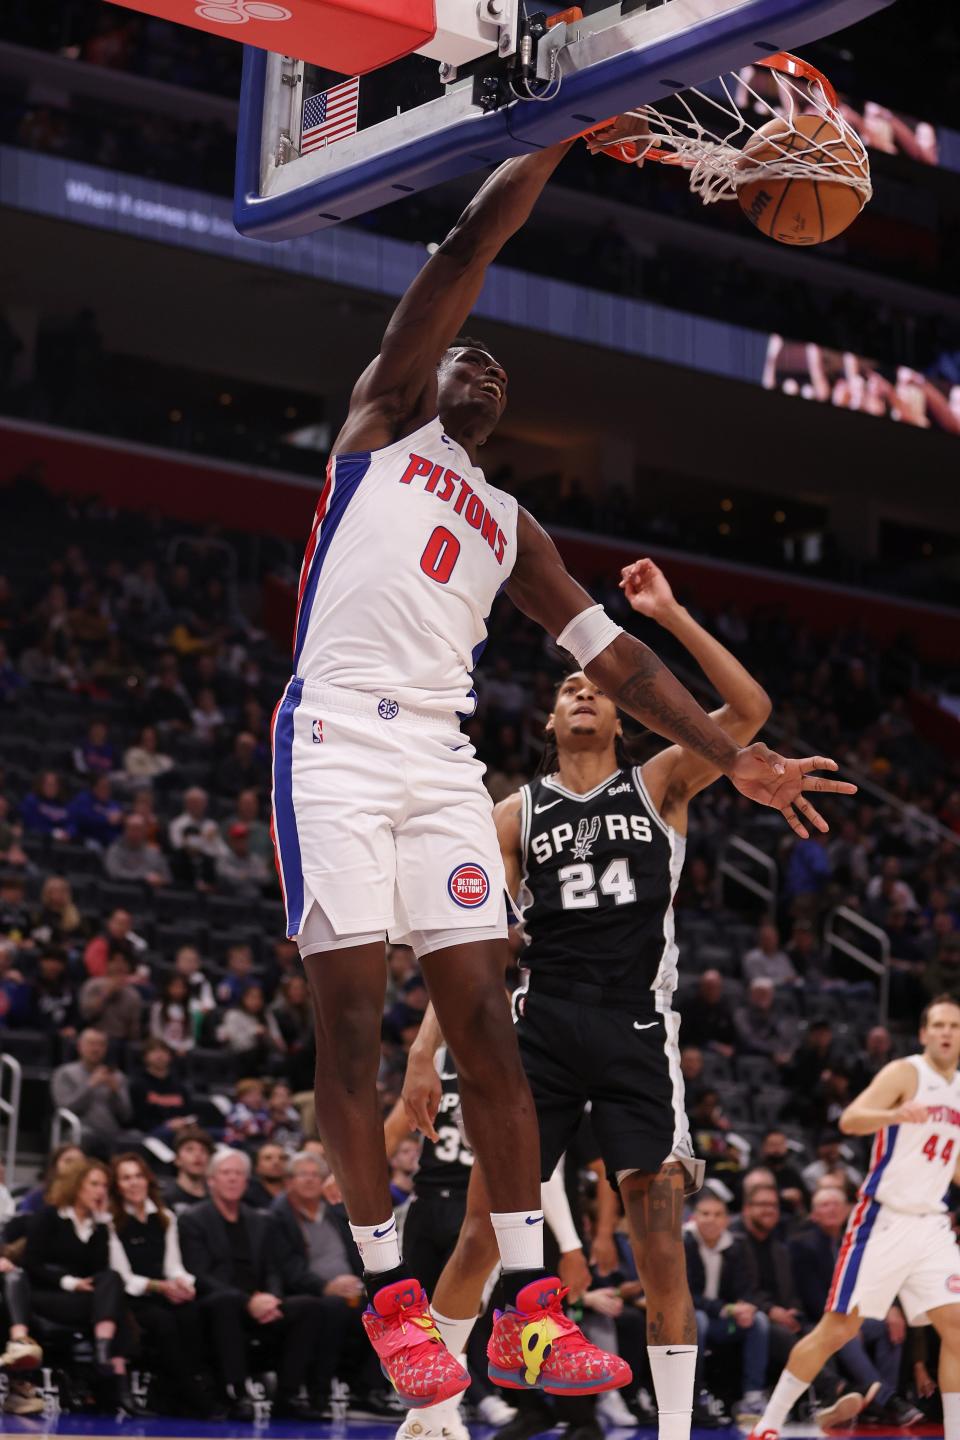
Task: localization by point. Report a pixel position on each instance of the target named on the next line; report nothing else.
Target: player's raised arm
(632, 675)
(887, 1100)
(746, 705)
(400, 384)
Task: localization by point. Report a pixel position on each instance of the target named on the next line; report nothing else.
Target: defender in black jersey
(593, 851)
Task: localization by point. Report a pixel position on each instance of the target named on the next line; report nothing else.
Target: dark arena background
(777, 427)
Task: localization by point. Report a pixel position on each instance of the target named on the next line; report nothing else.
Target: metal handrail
(733, 871)
(833, 939)
(65, 1118)
(10, 1112)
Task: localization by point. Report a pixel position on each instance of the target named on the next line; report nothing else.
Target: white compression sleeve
(587, 634)
(556, 1211)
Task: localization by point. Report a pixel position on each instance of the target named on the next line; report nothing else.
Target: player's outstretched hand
(626, 137)
(646, 588)
(421, 1095)
(771, 779)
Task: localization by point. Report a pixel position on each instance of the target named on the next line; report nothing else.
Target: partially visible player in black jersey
(593, 850)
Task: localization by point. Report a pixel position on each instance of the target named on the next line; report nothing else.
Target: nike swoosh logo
(539, 809)
(638, 1026)
(379, 1234)
(678, 1352)
(534, 1219)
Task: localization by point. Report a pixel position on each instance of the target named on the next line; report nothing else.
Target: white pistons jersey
(911, 1166)
(409, 549)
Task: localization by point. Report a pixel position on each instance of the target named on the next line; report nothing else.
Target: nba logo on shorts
(953, 1284)
(318, 732)
(468, 886)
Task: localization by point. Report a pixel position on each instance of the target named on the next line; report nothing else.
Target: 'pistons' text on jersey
(911, 1166)
(410, 547)
(601, 871)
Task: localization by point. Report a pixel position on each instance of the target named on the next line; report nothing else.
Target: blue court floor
(99, 1427)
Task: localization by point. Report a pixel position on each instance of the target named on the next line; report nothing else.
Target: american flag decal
(330, 116)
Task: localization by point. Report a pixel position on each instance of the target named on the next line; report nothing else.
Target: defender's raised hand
(771, 779)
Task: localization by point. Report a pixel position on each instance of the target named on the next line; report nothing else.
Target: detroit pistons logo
(468, 886)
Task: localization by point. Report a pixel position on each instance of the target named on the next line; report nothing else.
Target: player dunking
(380, 817)
(899, 1243)
(593, 851)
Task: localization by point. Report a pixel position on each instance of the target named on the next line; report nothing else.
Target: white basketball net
(715, 157)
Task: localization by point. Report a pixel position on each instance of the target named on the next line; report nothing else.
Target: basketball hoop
(719, 159)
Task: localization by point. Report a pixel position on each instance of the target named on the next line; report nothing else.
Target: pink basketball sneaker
(412, 1354)
(535, 1346)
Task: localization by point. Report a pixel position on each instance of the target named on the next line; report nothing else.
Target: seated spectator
(168, 704)
(290, 1015)
(207, 718)
(58, 921)
(68, 1261)
(144, 762)
(238, 867)
(170, 1018)
(247, 812)
(760, 1030)
(768, 960)
(162, 1103)
(877, 1052)
(16, 993)
(54, 1000)
(808, 873)
(248, 1119)
(96, 1092)
(775, 1154)
(816, 1053)
(697, 890)
(889, 890)
(44, 810)
(94, 816)
(721, 1280)
(65, 1157)
(873, 1356)
(829, 1160)
(774, 1291)
(404, 1164)
(161, 1292)
(117, 931)
(286, 1127)
(243, 768)
(806, 957)
(269, 1179)
(195, 840)
(708, 1018)
(232, 1252)
(112, 1003)
(245, 1033)
(238, 976)
(317, 1256)
(192, 1150)
(188, 963)
(95, 755)
(15, 917)
(12, 853)
(142, 805)
(132, 857)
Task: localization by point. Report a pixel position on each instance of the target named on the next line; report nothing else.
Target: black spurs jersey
(445, 1163)
(600, 874)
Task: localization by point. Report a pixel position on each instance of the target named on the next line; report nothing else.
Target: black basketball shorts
(624, 1063)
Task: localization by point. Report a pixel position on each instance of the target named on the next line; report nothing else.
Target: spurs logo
(587, 832)
(238, 12)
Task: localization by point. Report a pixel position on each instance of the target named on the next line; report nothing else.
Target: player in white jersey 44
(899, 1242)
(593, 850)
(379, 811)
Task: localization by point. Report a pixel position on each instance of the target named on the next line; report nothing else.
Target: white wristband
(556, 1211)
(587, 634)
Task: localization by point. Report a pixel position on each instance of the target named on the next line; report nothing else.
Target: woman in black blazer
(161, 1292)
(68, 1261)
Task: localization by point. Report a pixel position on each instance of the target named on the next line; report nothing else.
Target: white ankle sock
(378, 1245)
(951, 1416)
(520, 1238)
(455, 1333)
(674, 1369)
(786, 1393)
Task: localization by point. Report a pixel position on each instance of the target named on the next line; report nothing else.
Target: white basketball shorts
(381, 817)
(887, 1255)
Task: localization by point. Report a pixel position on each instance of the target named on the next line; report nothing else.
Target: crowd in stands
(145, 979)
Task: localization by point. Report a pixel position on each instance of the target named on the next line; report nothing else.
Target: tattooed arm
(631, 674)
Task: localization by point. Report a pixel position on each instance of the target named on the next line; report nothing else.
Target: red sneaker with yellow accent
(412, 1354)
(535, 1346)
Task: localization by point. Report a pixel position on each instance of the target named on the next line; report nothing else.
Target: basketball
(801, 211)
